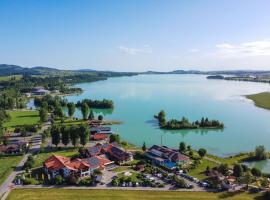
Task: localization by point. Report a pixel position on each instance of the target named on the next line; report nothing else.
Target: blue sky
(126, 35)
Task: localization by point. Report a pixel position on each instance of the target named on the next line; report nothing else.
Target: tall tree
(202, 152)
(260, 153)
(85, 110)
(237, 170)
(182, 147)
(74, 136)
(43, 115)
(144, 146)
(55, 134)
(84, 134)
(65, 135)
(91, 115)
(71, 109)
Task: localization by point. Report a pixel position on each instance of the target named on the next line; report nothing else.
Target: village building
(164, 156)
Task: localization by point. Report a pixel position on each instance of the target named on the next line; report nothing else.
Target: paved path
(8, 185)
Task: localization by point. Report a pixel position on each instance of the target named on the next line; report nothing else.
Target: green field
(72, 194)
(198, 172)
(6, 166)
(8, 78)
(261, 100)
(40, 158)
(19, 117)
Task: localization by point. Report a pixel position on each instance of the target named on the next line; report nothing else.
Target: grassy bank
(6, 166)
(261, 100)
(64, 194)
(21, 117)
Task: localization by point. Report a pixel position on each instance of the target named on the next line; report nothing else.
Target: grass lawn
(198, 172)
(40, 158)
(232, 159)
(64, 194)
(19, 117)
(6, 166)
(261, 99)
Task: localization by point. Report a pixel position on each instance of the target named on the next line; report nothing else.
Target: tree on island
(182, 147)
(260, 153)
(85, 110)
(144, 146)
(202, 152)
(91, 115)
(71, 109)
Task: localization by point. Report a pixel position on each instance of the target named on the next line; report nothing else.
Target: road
(8, 185)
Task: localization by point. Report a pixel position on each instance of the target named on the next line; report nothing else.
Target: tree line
(65, 134)
(184, 123)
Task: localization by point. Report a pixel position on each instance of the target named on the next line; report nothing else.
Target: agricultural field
(66, 194)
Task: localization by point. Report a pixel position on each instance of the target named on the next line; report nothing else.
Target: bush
(72, 180)
(30, 181)
(59, 180)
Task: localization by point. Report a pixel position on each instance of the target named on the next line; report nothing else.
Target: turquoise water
(263, 165)
(138, 98)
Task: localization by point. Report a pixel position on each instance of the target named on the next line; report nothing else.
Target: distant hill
(7, 70)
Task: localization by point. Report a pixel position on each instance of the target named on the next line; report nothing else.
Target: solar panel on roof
(93, 161)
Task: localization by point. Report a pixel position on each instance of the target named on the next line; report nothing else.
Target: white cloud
(255, 48)
(193, 50)
(134, 51)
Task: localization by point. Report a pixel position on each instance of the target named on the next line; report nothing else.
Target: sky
(136, 35)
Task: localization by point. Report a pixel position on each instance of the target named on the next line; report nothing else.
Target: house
(39, 91)
(101, 130)
(13, 148)
(111, 150)
(99, 136)
(164, 156)
(60, 165)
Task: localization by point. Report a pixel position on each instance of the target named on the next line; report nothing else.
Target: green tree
(55, 134)
(74, 136)
(84, 134)
(260, 153)
(237, 170)
(91, 115)
(43, 115)
(246, 179)
(144, 146)
(65, 135)
(202, 152)
(224, 169)
(100, 117)
(71, 109)
(85, 110)
(182, 147)
(256, 172)
(115, 138)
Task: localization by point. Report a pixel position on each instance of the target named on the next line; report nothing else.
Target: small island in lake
(184, 123)
(215, 77)
(261, 100)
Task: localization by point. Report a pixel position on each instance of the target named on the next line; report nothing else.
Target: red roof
(58, 162)
(100, 136)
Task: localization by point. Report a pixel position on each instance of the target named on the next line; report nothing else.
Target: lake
(138, 98)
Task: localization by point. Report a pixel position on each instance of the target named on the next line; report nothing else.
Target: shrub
(59, 180)
(30, 181)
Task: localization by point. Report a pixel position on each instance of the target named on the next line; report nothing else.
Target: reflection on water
(263, 165)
